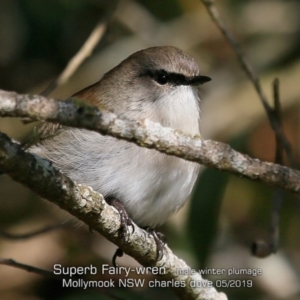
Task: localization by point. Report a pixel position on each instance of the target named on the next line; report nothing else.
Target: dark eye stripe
(162, 77)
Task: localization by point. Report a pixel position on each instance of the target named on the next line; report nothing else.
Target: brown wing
(48, 130)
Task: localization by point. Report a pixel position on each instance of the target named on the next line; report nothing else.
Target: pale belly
(151, 185)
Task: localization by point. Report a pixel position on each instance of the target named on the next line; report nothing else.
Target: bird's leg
(124, 218)
(125, 222)
(160, 241)
(158, 237)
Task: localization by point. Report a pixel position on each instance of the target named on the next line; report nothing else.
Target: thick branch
(90, 207)
(148, 134)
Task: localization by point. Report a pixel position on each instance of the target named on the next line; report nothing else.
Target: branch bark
(76, 113)
(90, 207)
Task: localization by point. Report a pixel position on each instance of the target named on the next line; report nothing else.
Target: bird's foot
(124, 218)
(119, 253)
(160, 242)
(125, 223)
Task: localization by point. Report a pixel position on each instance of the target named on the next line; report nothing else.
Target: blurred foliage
(204, 213)
(169, 10)
(226, 214)
(53, 31)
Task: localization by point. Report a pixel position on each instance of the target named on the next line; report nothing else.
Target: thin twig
(29, 235)
(275, 219)
(213, 12)
(278, 115)
(263, 248)
(279, 150)
(84, 52)
(12, 263)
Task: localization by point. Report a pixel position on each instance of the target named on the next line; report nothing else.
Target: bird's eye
(162, 78)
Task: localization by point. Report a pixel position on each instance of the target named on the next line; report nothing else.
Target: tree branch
(90, 207)
(28, 235)
(84, 52)
(15, 264)
(271, 113)
(76, 113)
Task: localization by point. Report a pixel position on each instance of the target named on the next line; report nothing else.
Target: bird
(160, 84)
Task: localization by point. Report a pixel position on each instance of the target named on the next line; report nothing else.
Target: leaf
(204, 212)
